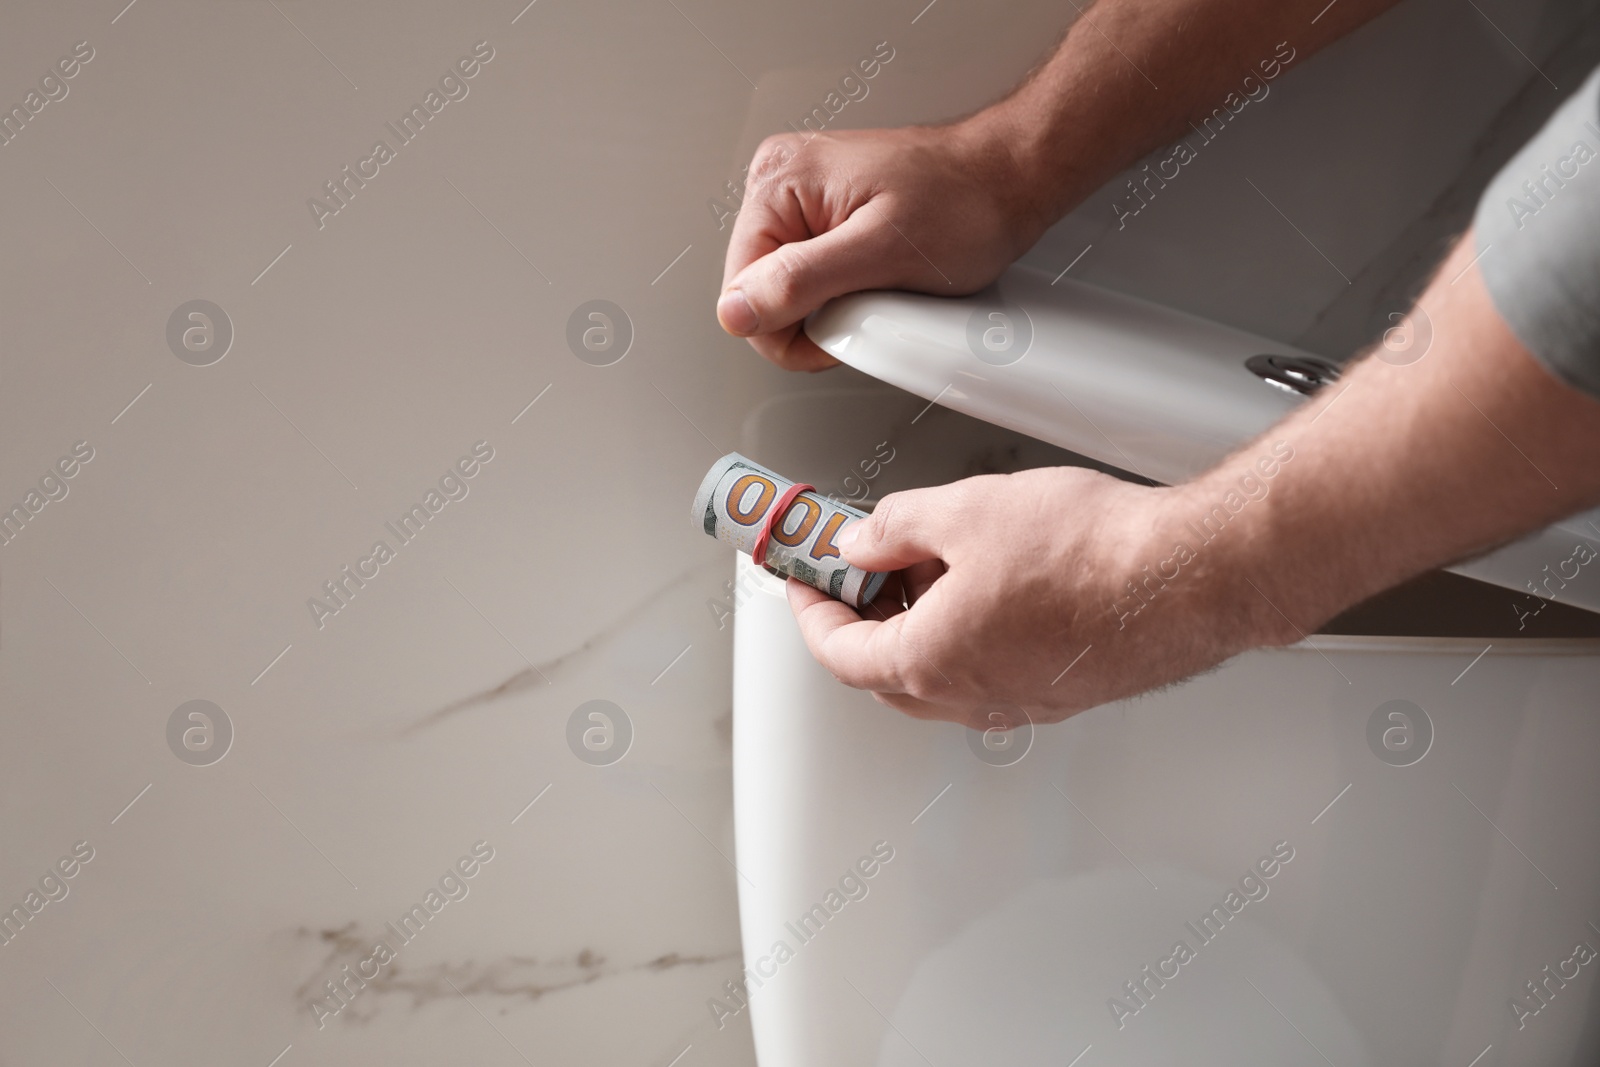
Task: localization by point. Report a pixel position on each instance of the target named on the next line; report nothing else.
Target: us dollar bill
(732, 506)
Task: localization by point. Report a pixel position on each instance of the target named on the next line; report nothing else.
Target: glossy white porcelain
(919, 893)
(1021, 899)
(1144, 388)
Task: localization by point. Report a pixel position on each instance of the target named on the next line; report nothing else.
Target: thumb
(793, 280)
(905, 528)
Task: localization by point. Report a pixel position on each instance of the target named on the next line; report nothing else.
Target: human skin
(1013, 581)
(1395, 470)
(944, 209)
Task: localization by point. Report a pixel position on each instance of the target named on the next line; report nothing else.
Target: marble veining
(499, 984)
(543, 672)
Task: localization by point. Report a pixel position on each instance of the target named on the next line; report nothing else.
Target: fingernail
(736, 314)
(848, 535)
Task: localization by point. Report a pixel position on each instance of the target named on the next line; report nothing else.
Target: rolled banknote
(736, 504)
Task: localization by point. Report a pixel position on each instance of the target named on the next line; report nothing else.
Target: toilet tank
(1372, 847)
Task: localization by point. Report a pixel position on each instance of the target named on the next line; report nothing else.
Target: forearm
(1404, 466)
(1131, 74)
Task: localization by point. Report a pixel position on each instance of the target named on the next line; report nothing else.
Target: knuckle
(781, 279)
(786, 278)
(771, 156)
(888, 519)
(969, 493)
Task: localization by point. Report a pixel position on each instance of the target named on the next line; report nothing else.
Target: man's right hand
(932, 209)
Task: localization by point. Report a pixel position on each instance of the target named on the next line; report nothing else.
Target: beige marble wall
(371, 349)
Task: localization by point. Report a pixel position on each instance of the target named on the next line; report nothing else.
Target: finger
(761, 228)
(905, 528)
(791, 349)
(769, 214)
(920, 709)
(791, 277)
(860, 653)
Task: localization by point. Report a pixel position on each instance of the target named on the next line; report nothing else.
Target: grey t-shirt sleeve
(1538, 238)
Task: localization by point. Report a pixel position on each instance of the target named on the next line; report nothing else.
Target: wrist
(1244, 581)
(1078, 120)
(1005, 150)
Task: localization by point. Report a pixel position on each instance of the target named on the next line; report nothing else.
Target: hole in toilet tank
(861, 443)
(861, 440)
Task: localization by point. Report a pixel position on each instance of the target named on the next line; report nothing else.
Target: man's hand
(1021, 598)
(932, 209)
(1398, 468)
(944, 209)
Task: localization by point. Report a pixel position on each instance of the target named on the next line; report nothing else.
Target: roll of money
(735, 503)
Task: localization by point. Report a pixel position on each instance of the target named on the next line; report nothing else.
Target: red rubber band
(758, 551)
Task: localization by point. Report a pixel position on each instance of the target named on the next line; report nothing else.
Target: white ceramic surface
(921, 893)
(1020, 899)
(1147, 389)
(1140, 387)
